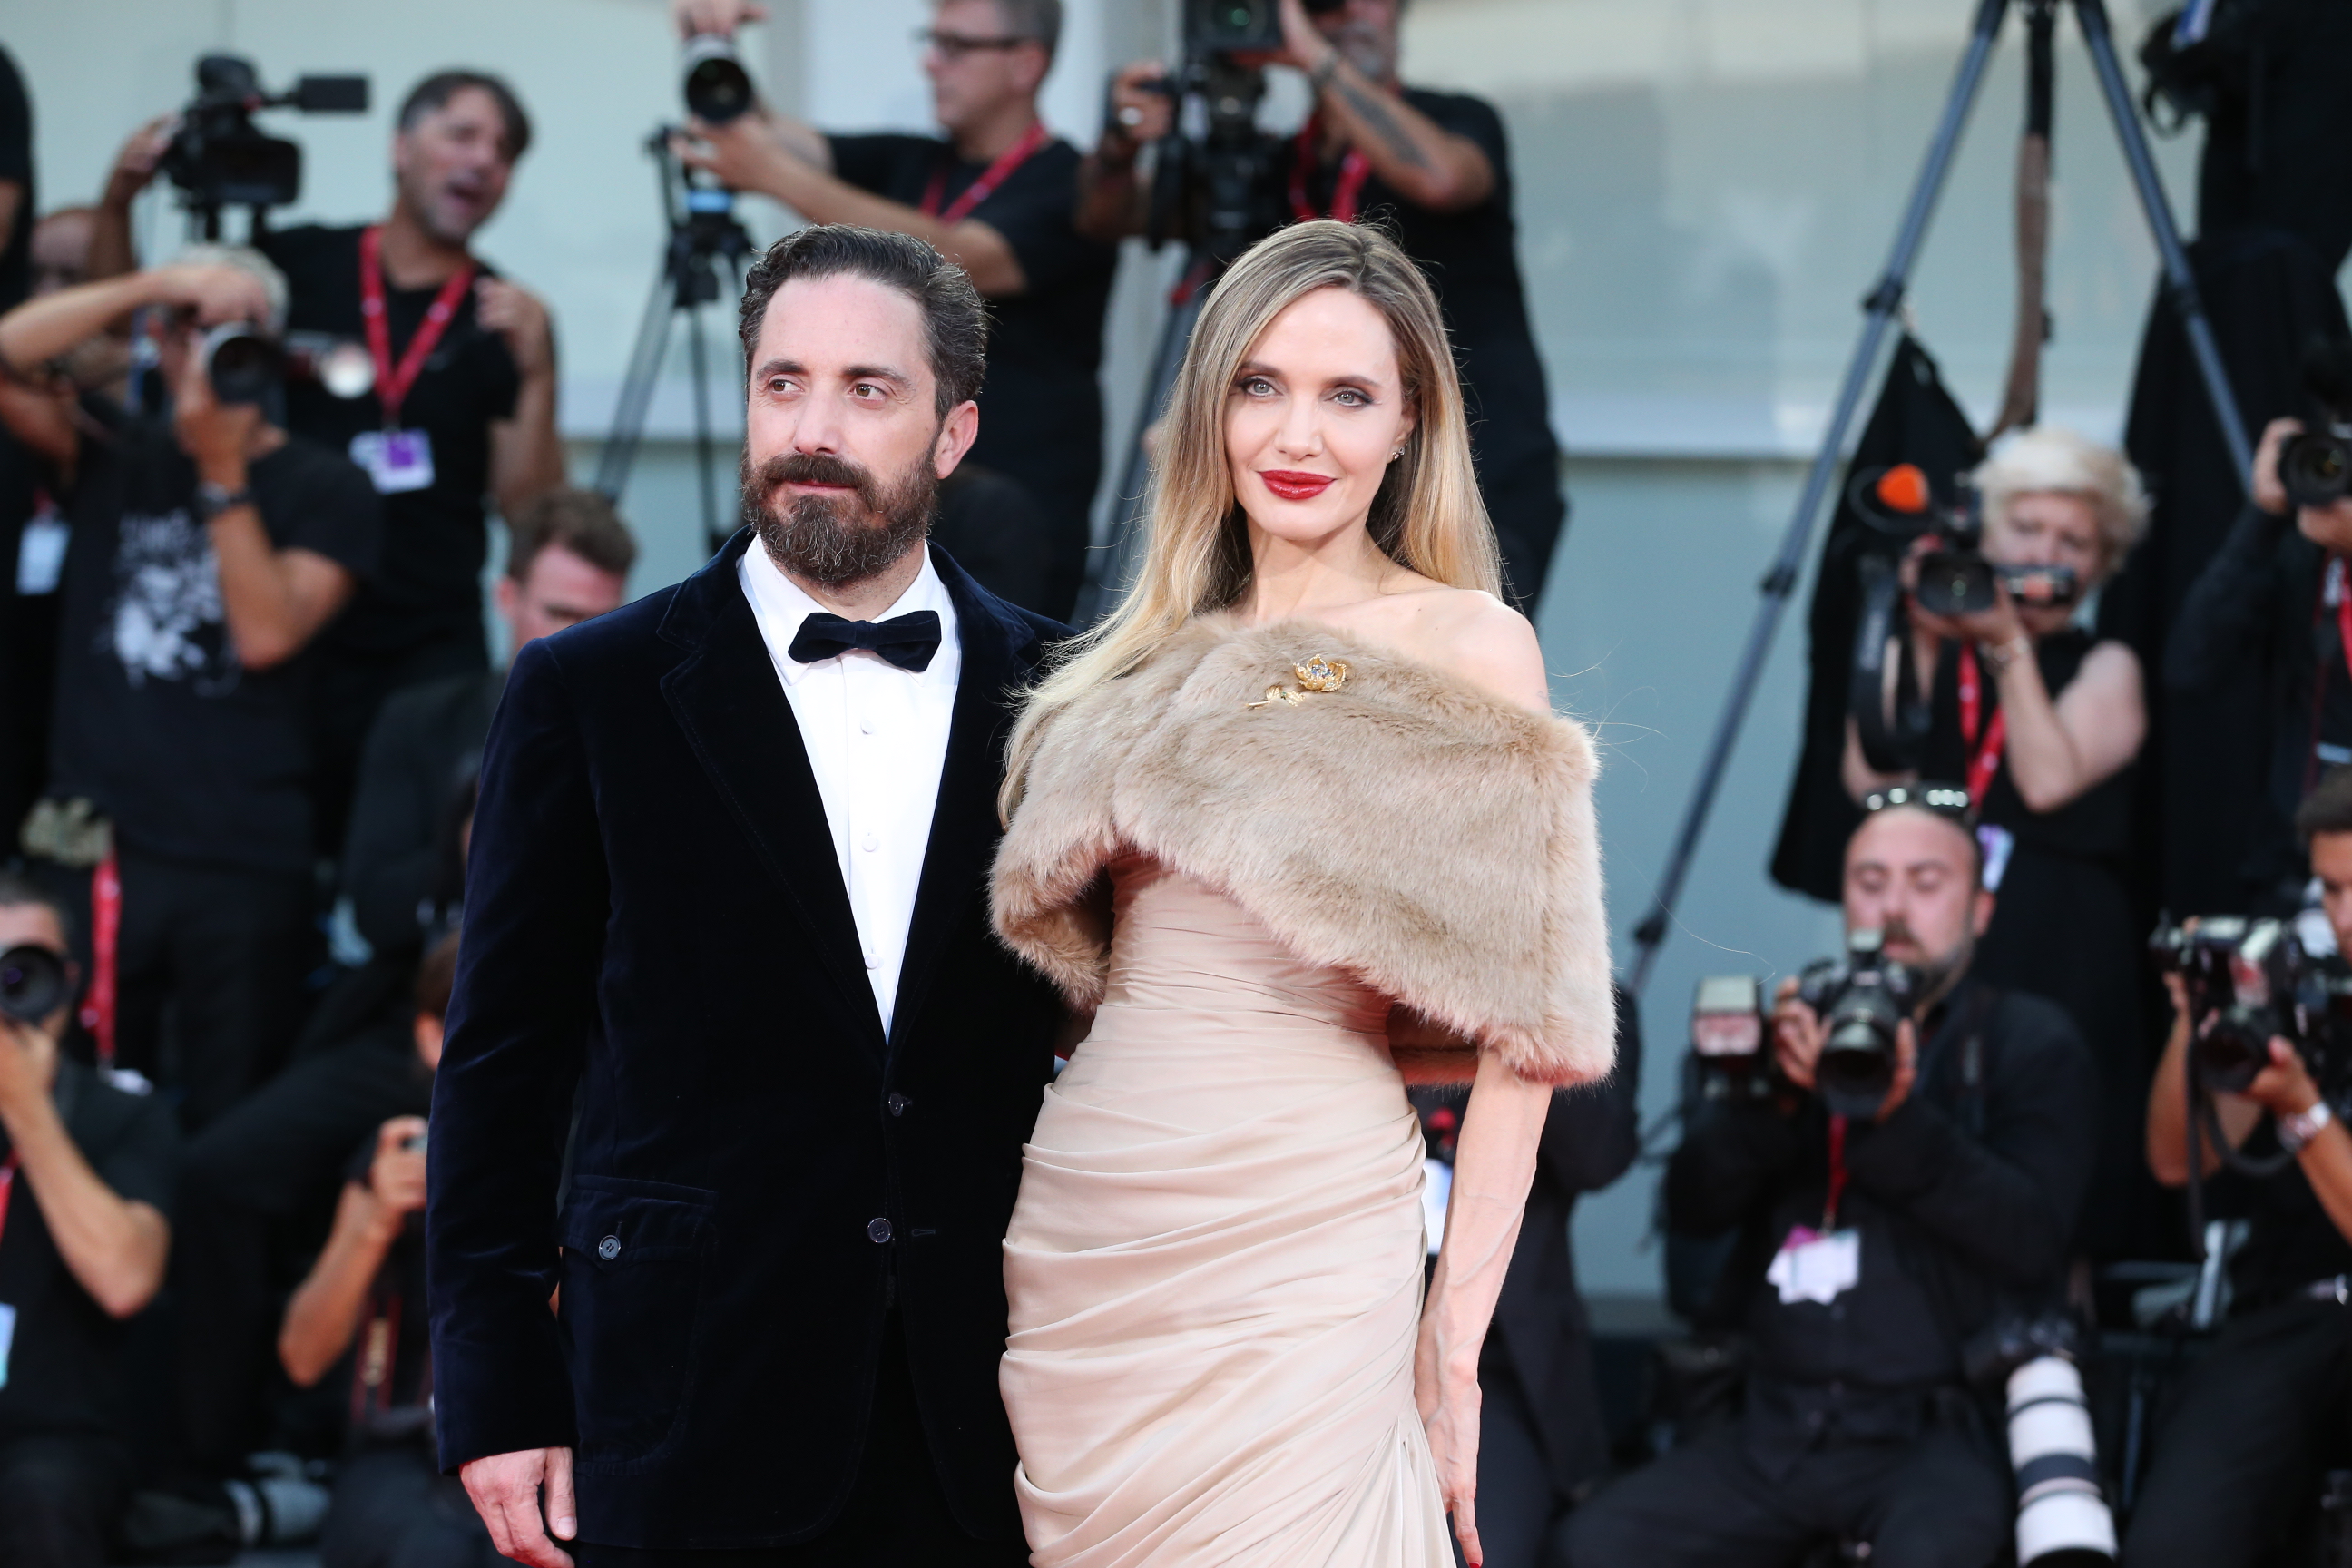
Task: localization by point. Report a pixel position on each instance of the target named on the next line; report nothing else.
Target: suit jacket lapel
(726, 696)
(999, 651)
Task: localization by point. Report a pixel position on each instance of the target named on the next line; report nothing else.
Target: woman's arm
(323, 1315)
(2059, 751)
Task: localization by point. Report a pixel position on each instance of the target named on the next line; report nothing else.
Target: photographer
(994, 195)
(1432, 166)
(2273, 598)
(463, 406)
(1871, 1248)
(2236, 1467)
(207, 552)
(359, 1313)
(83, 1240)
(2043, 721)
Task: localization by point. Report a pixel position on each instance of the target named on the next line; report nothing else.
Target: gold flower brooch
(1318, 674)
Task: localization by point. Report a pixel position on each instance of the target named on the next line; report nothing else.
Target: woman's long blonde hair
(1426, 516)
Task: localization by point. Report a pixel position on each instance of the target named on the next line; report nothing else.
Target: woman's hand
(1994, 628)
(1449, 1403)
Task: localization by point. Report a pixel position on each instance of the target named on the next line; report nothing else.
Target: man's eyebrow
(877, 373)
(780, 367)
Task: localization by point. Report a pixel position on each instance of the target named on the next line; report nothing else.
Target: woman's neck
(1292, 578)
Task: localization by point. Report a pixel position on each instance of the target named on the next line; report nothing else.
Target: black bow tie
(906, 641)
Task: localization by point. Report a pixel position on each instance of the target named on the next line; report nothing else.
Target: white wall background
(1705, 189)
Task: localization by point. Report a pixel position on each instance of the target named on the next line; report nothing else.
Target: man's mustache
(817, 468)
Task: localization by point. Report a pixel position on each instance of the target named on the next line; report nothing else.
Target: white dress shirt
(876, 737)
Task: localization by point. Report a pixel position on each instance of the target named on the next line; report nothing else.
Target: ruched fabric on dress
(1215, 1267)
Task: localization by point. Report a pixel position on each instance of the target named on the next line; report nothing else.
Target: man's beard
(838, 540)
(1935, 973)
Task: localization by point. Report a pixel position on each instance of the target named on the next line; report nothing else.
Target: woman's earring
(1395, 455)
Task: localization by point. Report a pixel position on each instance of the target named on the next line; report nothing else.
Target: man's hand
(506, 1489)
(743, 155)
(140, 156)
(1141, 106)
(721, 16)
(216, 436)
(396, 1176)
(1797, 1035)
(517, 315)
(2285, 1086)
(1907, 1070)
(28, 1069)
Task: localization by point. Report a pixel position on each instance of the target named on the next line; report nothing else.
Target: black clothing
(1040, 410)
(2290, 1241)
(61, 1500)
(428, 585)
(193, 757)
(2236, 1467)
(2255, 620)
(1471, 260)
(654, 913)
(65, 1364)
(2064, 928)
(425, 750)
(895, 1513)
(16, 169)
(392, 1507)
(997, 532)
(274, 1164)
(1939, 1501)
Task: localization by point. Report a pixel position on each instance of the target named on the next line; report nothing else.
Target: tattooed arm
(1414, 156)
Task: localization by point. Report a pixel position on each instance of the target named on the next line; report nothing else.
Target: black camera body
(1862, 999)
(717, 87)
(219, 158)
(32, 983)
(1239, 26)
(2249, 981)
(2316, 466)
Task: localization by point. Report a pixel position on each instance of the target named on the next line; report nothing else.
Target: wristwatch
(213, 500)
(2296, 1131)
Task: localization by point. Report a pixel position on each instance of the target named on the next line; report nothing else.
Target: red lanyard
(2343, 608)
(105, 937)
(393, 382)
(982, 188)
(1837, 1175)
(1984, 760)
(7, 1190)
(1347, 189)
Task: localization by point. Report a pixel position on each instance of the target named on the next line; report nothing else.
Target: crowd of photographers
(245, 682)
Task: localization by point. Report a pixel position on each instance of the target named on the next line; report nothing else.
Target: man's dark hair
(19, 892)
(436, 977)
(582, 522)
(2328, 808)
(436, 92)
(955, 322)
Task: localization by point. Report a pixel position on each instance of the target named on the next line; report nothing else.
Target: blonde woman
(1294, 826)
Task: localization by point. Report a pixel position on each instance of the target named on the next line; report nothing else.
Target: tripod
(1880, 308)
(703, 232)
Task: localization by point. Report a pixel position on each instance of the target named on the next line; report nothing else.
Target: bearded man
(727, 890)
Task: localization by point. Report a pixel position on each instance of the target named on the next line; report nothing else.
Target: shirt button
(609, 1248)
(872, 962)
(871, 844)
(899, 1103)
(864, 724)
(878, 1230)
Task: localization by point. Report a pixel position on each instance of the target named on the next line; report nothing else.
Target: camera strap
(105, 938)
(393, 382)
(1837, 1175)
(1347, 186)
(1984, 757)
(982, 188)
(7, 1191)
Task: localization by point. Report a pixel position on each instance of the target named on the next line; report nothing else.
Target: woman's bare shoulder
(1470, 633)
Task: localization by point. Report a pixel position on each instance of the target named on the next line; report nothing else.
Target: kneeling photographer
(1996, 682)
(2237, 1467)
(1901, 1173)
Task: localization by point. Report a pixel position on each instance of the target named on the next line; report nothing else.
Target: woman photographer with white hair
(2041, 720)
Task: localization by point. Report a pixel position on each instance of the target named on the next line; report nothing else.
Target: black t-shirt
(2290, 1240)
(192, 755)
(65, 1364)
(1471, 260)
(16, 168)
(428, 587)
(2095, 825)
(1041, 411)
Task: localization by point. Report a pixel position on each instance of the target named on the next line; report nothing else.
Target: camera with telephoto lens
(2316, 466)
(32, 983)
(2062, 1518)
(717, 87)
(245, 364)
(2248, 982)
(1861, 1000)
(1241, 26)
(1731, 1038)
(219, 158)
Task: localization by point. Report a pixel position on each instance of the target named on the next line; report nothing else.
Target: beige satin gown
(1215, 1264)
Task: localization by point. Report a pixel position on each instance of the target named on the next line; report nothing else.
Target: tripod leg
(1111, 566)
(2179, 283)
(699, 360)
(1880, 306)
(620, 451)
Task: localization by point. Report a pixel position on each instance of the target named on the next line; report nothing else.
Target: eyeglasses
(955, 47)
(1944, 799)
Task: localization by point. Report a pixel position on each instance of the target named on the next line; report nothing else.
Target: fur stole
(1437, 842)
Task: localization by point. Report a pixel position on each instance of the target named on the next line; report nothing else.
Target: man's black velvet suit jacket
(655, 925)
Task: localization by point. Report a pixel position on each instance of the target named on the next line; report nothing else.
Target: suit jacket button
(879, 1229)
(609, 1248)
(899, 1103)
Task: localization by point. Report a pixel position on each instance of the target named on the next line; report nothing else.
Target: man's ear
(1982, 917)
(958, 431)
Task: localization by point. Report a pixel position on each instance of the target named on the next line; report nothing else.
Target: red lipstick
(1292, 485)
